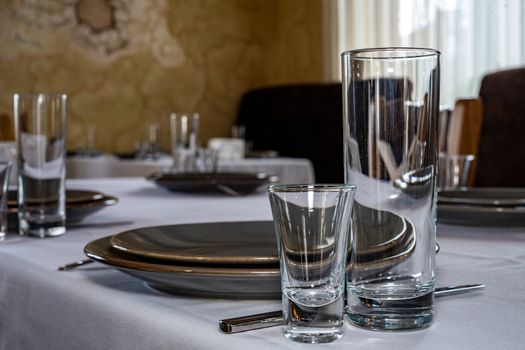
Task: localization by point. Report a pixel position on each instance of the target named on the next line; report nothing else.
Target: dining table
(287, 169)
(98, 307)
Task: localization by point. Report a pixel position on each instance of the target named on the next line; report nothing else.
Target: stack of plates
(482, 206)
(226, 259)
(213, 259)
(229, 183)
(79, 204)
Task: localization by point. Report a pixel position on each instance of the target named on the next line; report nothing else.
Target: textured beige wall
(126, 63)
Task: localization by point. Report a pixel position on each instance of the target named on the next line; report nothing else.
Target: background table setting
(288, 170)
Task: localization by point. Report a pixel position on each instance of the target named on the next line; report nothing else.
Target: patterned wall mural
(127, 63)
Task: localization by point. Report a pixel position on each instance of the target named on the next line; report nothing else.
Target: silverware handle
(251, 322)
(74, 265)
(275, 318)
(444, 291)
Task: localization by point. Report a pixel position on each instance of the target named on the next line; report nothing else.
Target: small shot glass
(312, 225)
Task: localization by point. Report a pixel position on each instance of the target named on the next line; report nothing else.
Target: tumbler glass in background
(454, 170)
(40, 124)
(207, 160)
(391, 107)
(184, 129)
(153, 133)
(312, 225)
(88, 148)
(8, 154)
(5, 168)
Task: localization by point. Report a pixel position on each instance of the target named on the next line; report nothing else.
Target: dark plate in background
(79, 205)
(486, 196)
(230, 183)
(477, 215)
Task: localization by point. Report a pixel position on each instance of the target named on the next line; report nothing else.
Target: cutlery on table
(275, 318)
(74, 265)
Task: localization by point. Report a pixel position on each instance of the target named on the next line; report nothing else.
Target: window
(475, 37)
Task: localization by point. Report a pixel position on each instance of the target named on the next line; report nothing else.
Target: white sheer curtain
(474, 36)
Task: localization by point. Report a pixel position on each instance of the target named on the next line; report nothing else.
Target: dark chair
(304, 121)
(501, 153)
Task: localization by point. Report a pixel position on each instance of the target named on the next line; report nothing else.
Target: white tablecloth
(289, 170)
(95, 307)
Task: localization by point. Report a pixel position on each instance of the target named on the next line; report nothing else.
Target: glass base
(390, 322)
(322, 323)
(312, 335)
(42, 230)
(391, 315)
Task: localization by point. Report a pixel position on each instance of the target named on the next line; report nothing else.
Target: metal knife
(275, 318)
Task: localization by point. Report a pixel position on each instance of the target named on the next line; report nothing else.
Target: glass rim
(187, 114)
(467, 156)
(412, 52)
(310, 188)
(37, 95)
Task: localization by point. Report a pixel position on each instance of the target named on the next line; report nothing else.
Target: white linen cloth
(95, 307)
(289, 170)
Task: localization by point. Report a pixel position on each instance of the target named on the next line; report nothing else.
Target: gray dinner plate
(249, 242)
(484, 196)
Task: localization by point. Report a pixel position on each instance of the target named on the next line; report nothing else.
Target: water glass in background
(312, 225)
(238, 132)
(153, 131)
(207, 160)
(8, 154)
(391, 106)
(40, 124)
(454, 170)
(5, 168)
(184, 129)
(89, 147)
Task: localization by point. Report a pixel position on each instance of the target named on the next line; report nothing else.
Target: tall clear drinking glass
(312, 225)
(391, 106)
(184, 129)
(40, 123)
